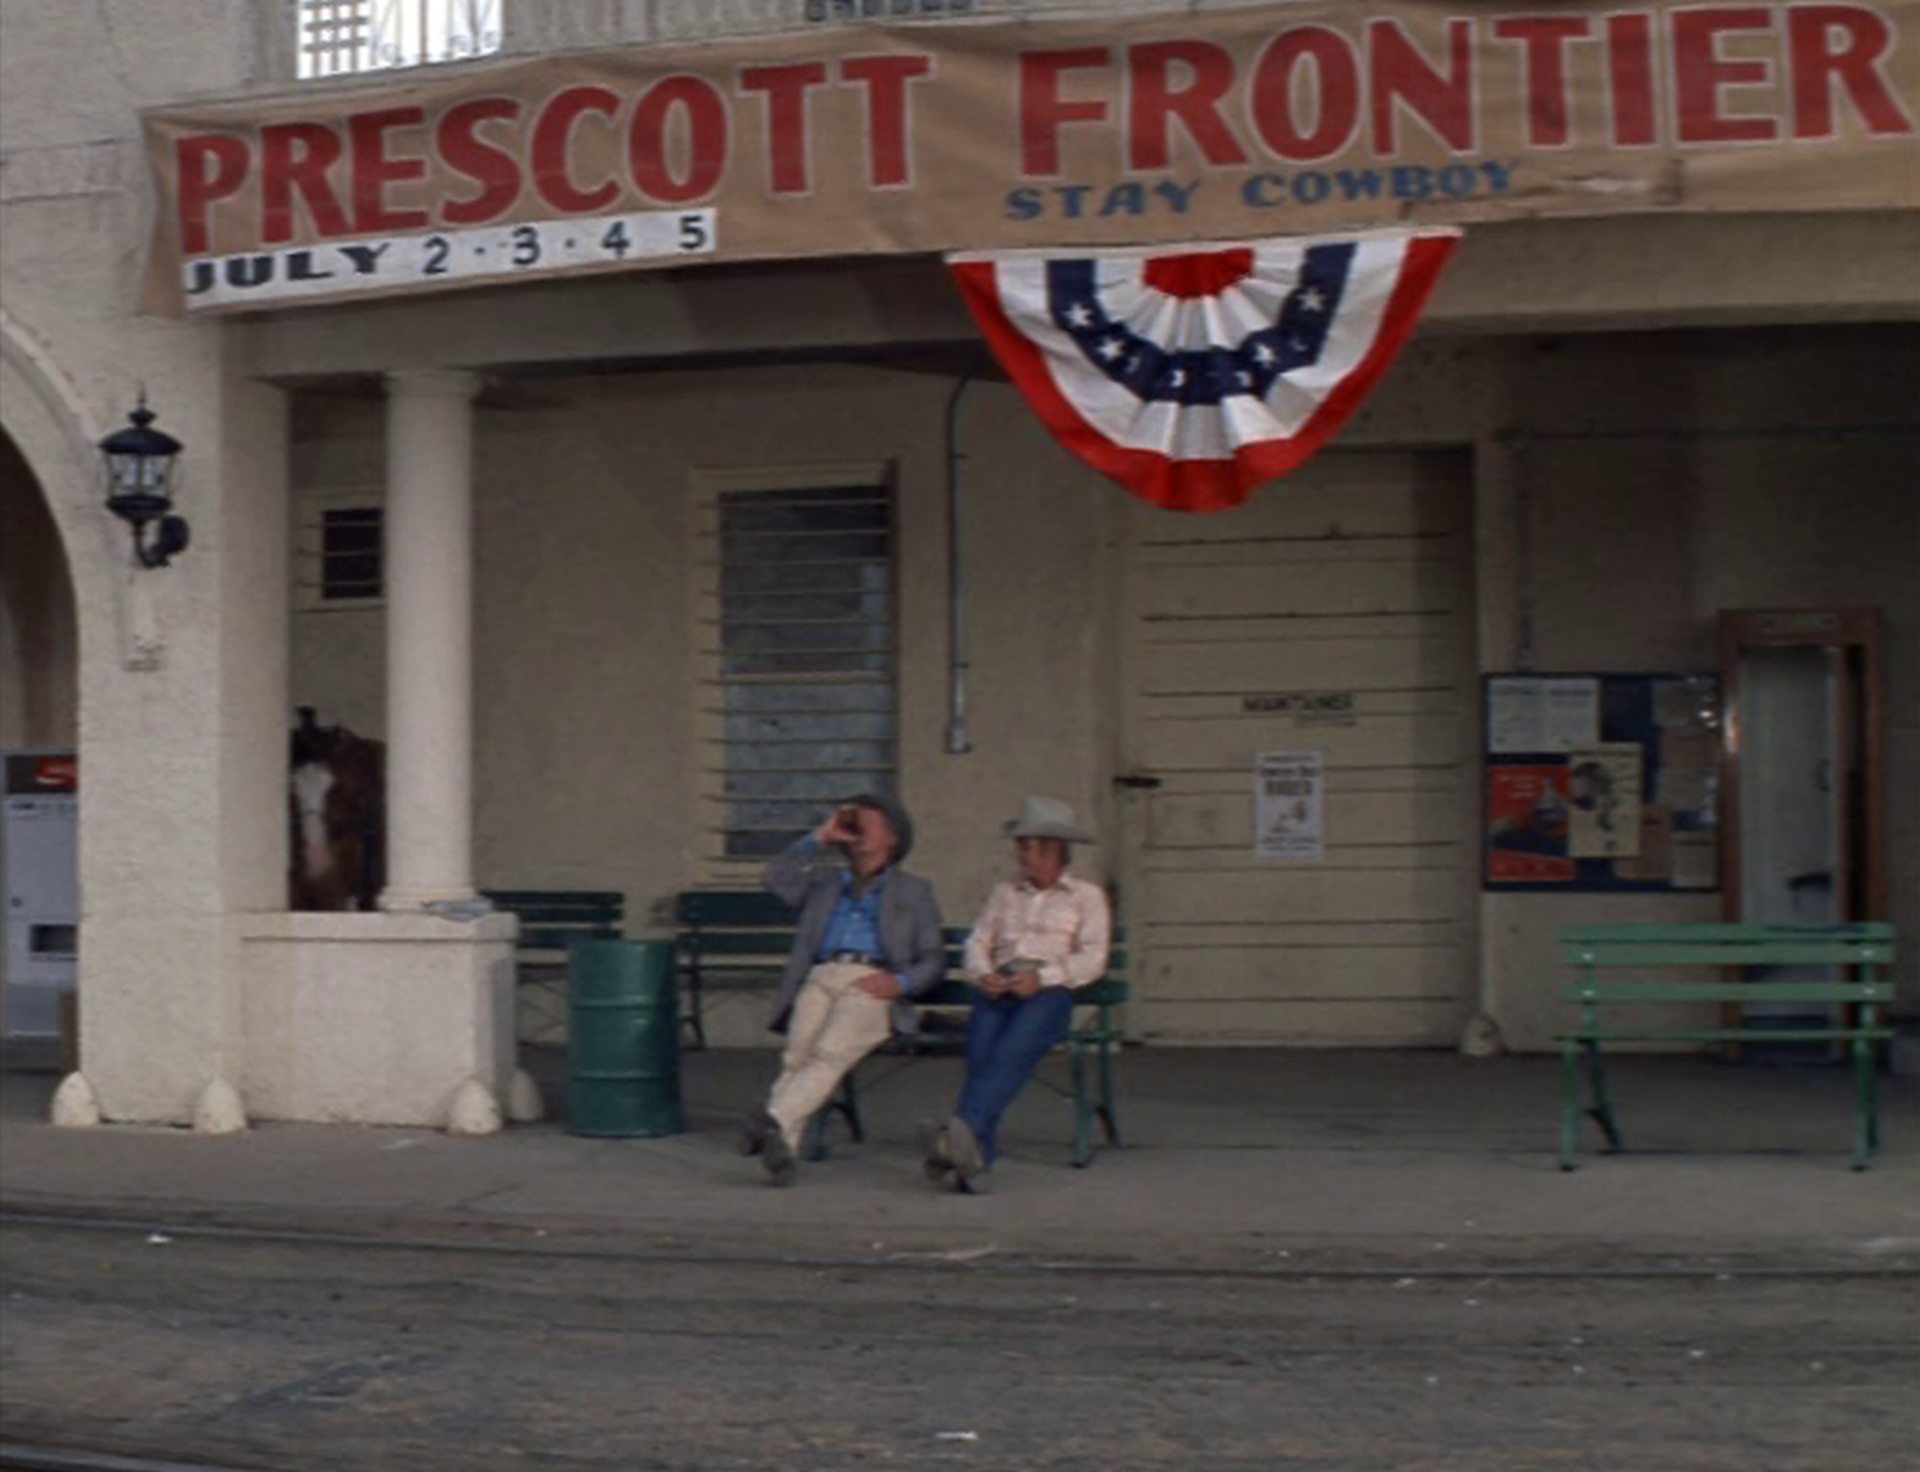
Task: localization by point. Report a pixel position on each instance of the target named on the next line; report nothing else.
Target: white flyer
(1533, 713)
(1287, 800)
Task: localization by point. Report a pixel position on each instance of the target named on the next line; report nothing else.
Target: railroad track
(16, 1458)
(1903, 1266)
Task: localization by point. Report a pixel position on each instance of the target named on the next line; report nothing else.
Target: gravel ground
(284, 1355)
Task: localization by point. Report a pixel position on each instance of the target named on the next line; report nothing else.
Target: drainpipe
(957, 743)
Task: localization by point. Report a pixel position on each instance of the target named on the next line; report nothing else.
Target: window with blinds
(799, 702)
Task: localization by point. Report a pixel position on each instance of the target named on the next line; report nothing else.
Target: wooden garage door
(1333, 613)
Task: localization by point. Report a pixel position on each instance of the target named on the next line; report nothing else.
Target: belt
(849, 958)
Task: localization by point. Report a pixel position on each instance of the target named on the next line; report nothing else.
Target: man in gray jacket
(868, 939)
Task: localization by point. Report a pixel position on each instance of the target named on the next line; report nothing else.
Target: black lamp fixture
(140, 486)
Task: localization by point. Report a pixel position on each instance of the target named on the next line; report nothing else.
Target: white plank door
(1332, 613)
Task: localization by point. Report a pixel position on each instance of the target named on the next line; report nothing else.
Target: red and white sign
(1215, 123)
(1192, 377)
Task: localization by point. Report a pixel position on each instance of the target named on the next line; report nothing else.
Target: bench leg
(813, 1145)
(1866, 1127)
(1569, 1102)
(1602, 1110)
(694, 1021)
(847, 1101)
(1108, 1118)
(1083, 1110)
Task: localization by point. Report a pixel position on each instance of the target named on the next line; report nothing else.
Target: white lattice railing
(338, 37)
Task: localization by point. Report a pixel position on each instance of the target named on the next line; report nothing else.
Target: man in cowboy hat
(1039, 937)
(868, 938)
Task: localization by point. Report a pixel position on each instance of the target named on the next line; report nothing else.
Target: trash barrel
(623, 1039)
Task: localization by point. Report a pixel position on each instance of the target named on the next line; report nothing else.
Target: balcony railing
(341, 37)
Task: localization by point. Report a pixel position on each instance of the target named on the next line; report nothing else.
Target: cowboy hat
(1046, 817)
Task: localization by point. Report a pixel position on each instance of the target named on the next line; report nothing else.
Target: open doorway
(39, 726)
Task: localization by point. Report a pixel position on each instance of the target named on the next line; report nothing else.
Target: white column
(429, 591)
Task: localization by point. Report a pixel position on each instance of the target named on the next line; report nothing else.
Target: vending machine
(40, 879)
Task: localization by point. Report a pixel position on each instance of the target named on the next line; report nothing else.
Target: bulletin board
(1601, 782)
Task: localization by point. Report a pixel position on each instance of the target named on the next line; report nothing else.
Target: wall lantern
(140, 486)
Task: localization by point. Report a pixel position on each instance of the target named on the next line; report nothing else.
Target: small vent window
(350, 554)
(803, 685)
(339, 551)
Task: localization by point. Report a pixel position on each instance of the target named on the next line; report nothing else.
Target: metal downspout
(957, 743)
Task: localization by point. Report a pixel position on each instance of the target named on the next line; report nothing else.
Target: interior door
(1802, 779)
(1330, 619)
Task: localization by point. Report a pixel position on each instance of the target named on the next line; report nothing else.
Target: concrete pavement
(1258, 1160)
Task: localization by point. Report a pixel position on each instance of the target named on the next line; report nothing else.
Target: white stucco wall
(1635, 538)
(181, 824)
(584, 755)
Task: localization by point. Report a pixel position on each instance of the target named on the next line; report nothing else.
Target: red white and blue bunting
(1191, 378)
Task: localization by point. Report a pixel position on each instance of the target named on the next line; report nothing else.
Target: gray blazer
(909, 926)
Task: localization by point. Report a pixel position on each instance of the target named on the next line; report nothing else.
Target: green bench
(739, 940)
(551, 920)
(1853, 1007)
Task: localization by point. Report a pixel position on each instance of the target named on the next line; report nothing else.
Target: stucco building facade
(1607, 431)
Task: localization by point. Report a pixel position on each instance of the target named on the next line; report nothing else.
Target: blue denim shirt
(854, 924)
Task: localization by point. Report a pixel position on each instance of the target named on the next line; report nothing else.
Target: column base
(74, 1105)
(475, 1110)
(219, 1110)
(376, 1018)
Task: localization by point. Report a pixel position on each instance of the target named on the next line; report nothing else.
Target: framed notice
(1287, 792)
(1601, 782)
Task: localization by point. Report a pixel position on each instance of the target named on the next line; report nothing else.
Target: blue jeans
(1006, 1039)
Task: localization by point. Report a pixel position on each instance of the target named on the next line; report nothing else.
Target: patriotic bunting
(1191, 378)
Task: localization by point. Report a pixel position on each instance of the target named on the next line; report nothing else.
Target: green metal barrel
(623, 1039)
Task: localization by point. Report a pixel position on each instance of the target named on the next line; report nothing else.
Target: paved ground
(308, 1356)
(1231, 1155)
(1301, 1261)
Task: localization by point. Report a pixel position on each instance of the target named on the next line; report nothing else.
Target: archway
(39, 627)
(39, 731)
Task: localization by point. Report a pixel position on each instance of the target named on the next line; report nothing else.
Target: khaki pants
(832, 1027)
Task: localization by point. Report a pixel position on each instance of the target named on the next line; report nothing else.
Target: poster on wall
(1530, 713)
(1601, 782)
(1527, 825)
(1287, 792)
(1603, 801)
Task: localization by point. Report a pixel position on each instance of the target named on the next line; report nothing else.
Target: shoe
(969, 1161)
(938, 1163)
(777, 1156)
(755, 1132)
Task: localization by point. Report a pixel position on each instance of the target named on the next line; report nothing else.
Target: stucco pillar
(429, 571)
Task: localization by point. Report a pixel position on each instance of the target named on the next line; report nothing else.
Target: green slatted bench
(1866, 948)
(551, 920)
(739, 939)
(727, 940)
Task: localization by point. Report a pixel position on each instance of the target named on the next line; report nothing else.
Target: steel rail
(1010, 1265)
(17, 1457)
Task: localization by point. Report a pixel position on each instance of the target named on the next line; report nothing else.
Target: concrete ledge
(376, 927)
(374, 1018)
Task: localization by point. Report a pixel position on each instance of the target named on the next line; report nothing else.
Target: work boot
(969, 1160)
(754, 1132)
(938, 1163)
(777, 1156)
